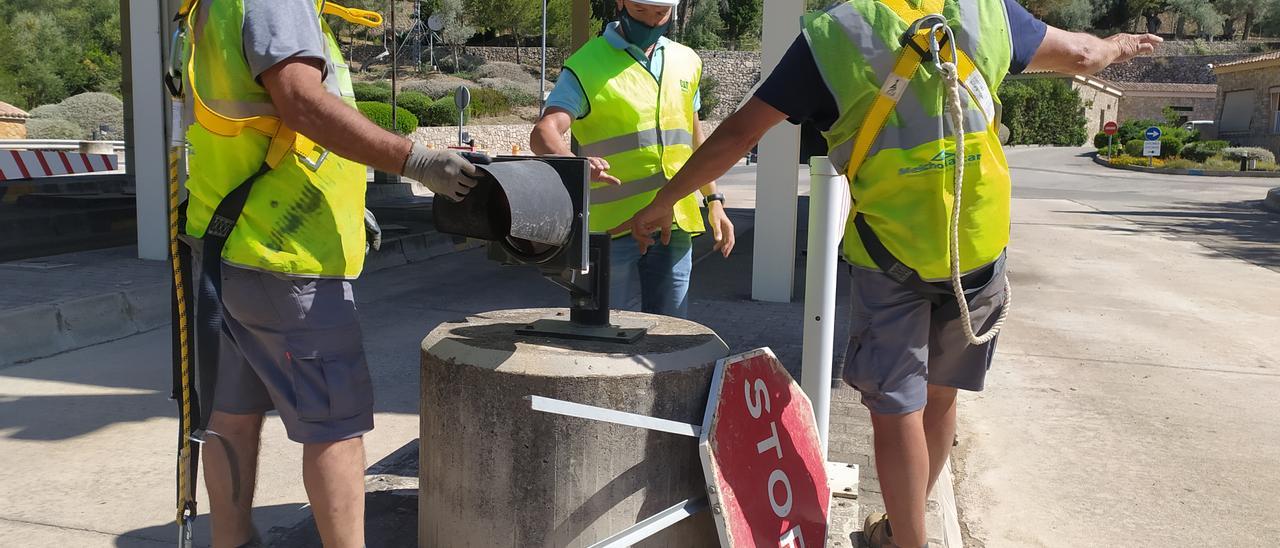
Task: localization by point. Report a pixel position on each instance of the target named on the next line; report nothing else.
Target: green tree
(1208, 20)
(703, 27)
(1043, 111)
(742, 21)
(457, 28)
(522, 18)
(1245, 12)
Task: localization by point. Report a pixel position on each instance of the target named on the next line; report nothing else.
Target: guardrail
(52, 144)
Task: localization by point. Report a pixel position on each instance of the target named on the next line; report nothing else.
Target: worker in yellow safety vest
(905, 93)
(631, 98)
(277, 154)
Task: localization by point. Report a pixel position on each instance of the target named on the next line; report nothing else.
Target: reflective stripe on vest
(305, 216)
(899, 187)
(641, 126)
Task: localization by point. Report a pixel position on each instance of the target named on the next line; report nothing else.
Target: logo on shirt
(684, 86)
(940, 160)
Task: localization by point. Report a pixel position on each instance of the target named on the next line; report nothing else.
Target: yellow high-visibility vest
(305, 216)
(901, 182)
(642, 126)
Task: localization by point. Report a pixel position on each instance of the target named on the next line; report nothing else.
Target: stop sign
(765, 469)
(1110, 128)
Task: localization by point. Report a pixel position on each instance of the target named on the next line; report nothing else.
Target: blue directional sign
(1153, 133)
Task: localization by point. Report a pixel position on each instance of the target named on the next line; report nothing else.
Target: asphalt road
(1132, 401)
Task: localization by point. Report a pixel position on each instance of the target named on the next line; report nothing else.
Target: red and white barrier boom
(30, 164)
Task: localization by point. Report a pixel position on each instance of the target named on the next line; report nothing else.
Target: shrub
(466, 62)
(1218, 163)
(416, 103)
(518, 93)
(442, 112)
(1268, 166)
(505, 71)
(1238, 153)
(1182, 163)
(1133, 147)
(1170, 146)
(92, 110)
(708, 91)
(437, 86)
(1202, 150)
(489, 102)
(52, 128)
(369, 91)
(380, 113)
(46, 111)
(1130, 160)
(1043, 112)
(1101, 139)
(1115, 150)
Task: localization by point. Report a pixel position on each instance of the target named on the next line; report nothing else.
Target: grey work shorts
(294, 345)
(898, 345)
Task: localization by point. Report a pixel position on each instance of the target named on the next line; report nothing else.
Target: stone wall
(1099, 107)
(11, 129)
(1260, 133)
(1151, 107)
(1186, 69)
(736, 72)
(497, 139)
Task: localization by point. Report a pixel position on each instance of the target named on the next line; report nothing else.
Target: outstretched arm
(1080, 53)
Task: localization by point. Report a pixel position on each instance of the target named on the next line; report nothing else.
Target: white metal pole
(777, 175)
(542, 76)
(148, 161)
(826, 223)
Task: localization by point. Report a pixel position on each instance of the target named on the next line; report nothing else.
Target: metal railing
(52, 144)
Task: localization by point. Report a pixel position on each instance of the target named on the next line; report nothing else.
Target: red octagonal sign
(763, 461)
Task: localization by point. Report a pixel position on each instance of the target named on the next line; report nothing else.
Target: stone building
(13, 122)
(1248, 110)
(1148, 100)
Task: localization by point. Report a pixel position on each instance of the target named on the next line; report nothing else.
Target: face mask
(640, 34)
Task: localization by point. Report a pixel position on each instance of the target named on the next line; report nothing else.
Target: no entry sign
(1110, 128)
(766, 473)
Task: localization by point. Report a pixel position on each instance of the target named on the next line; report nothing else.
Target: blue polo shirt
(568, 93)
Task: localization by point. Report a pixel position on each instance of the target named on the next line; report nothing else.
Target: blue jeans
(656, 282)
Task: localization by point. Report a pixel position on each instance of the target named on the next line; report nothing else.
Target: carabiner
(935, 46)
(173, 73)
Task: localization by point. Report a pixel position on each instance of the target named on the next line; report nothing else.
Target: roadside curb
(42, 330)
(1194, 172)
(37, 331)
(1272, 201)
(946, 530)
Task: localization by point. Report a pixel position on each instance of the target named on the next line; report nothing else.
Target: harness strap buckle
(912, 37)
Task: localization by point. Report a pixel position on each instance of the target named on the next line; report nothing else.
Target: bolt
(848, 489)
(716, 509)
(711, 489)
(817, 318)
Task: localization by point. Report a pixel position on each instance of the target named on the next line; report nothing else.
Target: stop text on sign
(762, 457)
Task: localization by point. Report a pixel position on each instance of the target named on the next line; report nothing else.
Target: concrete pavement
(1132, 399)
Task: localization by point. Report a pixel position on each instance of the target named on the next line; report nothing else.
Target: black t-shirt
(796, 87)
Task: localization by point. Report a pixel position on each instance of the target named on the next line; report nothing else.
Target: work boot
(877, 532)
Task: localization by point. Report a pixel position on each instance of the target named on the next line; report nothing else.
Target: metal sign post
(461, 99)
(1110, 128)
(1151, 148)
(828, 208)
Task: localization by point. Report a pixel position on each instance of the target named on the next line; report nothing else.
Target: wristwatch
(713, 197)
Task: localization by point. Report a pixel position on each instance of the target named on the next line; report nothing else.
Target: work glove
(372, 232)
(444, 172)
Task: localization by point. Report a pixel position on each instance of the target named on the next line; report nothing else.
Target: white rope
(955, 109)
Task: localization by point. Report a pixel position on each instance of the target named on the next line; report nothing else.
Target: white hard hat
(671, 3)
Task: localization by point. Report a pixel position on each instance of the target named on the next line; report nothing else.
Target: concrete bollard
(495, 473)
(96, 147)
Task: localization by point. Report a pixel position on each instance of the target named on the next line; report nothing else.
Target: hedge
(380, 113)
(1203, 150)
(416, 103)
(1239, 153)
(369, 91)
(1133, 147)
(52, 128)
(1043, 112)
(489, 102)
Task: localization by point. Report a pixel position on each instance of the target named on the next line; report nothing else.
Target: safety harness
(927, 39)
(193, 380)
